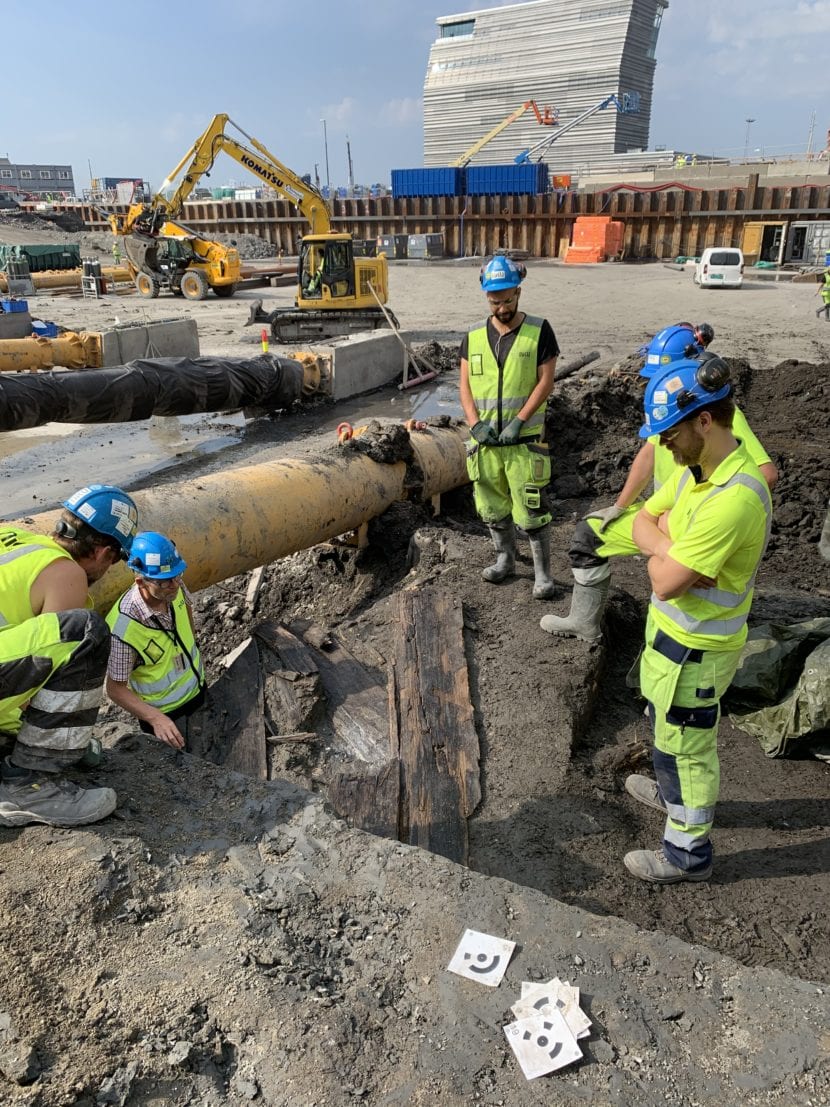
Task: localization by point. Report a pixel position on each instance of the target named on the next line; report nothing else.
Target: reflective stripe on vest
(160, 682)
(723, 627)
(500, 393)
(23, 558)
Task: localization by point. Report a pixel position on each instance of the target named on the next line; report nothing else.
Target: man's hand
(510, 435)
(484, 433)
(607, 514)
(166, 731)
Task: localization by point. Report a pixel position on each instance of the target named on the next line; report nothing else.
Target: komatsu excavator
(337, 292)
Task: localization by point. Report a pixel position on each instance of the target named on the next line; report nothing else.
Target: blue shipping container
(447, 181)
(507, 180)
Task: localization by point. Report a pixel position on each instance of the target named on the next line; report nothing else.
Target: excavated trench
(558, 726)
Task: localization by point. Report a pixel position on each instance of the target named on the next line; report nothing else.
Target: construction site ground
(221, 940)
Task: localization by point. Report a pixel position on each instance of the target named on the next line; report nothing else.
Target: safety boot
(27, 797)
(503, 535)
(543, 586)
(655, 867)
(585, 618)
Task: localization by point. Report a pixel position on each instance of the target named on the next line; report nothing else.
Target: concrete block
(167, 338)
(362, 362)
(15, 324)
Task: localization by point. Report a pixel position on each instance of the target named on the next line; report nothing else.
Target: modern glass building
(568, 55)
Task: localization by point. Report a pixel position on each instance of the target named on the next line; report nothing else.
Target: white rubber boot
(503, 535)
(585, 618)
(543, 585)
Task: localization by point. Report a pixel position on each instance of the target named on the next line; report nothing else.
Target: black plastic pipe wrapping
(152, 386)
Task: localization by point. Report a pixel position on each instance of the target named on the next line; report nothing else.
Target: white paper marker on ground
(482, 957)
(542, 1044)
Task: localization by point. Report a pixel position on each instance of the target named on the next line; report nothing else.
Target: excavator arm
(259, 161)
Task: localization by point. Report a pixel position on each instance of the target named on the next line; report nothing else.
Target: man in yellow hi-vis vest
(704, 533)
(155, 669)
(53, 656)
(506, 375)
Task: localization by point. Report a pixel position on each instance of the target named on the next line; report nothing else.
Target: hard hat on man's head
(500, 273)
(681, 389)
(155, 557)
(668, 345)
(104, 508)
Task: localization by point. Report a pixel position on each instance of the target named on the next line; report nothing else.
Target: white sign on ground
(482, 957)
(542, 1043)
(541, 999)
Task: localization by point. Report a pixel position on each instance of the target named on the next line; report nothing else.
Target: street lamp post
(749, 123)
(326, 146)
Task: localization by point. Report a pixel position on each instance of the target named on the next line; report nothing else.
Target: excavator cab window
(327, 265)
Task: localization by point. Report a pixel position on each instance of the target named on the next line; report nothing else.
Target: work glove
(510, 435)
(607, 514)
(484, 433)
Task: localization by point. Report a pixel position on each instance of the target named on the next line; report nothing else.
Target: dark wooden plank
(292, 652)
(234, 726)
(368, 797)
(439, 749)
(357, 699)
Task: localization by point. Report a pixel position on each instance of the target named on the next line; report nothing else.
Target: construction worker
(155, 670)
(53, 656)
(702, 564)
(607, 532)
(116, 253)
(824, 289)
(506, 375)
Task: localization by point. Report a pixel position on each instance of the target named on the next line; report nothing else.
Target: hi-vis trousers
(683, 687)
(52, 670)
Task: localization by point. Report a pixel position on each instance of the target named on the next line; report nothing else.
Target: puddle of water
(40, 466)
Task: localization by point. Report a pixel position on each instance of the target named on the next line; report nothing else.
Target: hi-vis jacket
(500, 394)
(23, 556)
(171, 671)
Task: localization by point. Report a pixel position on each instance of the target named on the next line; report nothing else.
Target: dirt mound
(250, 246)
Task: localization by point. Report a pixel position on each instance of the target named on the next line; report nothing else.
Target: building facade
(568, 55)
(37, 180)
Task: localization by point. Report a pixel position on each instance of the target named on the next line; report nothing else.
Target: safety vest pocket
(476, 365)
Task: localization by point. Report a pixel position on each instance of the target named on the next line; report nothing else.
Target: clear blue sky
(128, 88)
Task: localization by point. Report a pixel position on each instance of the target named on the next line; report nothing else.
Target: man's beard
(691, 454)
(504, 318)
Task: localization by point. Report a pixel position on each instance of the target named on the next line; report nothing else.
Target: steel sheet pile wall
(657, 224)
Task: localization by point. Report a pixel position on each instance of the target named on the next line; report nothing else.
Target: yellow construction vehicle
(162, 252)
(337, 292)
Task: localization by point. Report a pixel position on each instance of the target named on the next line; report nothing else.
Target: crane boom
(546, 119)
(629, 104)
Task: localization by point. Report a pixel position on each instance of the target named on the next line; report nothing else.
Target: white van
(720, 266)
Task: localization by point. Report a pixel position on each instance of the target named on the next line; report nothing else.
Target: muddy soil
(554, 814)
(559, 731)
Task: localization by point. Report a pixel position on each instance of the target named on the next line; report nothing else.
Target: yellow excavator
(162, 252)
(337, 292)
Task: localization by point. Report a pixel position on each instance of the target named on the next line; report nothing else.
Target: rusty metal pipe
(69, 351)
(71, 278)
(227, 523)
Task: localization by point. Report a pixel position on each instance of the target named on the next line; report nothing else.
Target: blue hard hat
(680, 390)
(155, 557)
(107, 509)
(670, 344)
(501, 272)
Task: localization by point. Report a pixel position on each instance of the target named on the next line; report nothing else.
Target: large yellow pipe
(68, 351)
(71, 278)
(227, 523)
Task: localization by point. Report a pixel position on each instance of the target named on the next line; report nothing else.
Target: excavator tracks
(305, 325)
